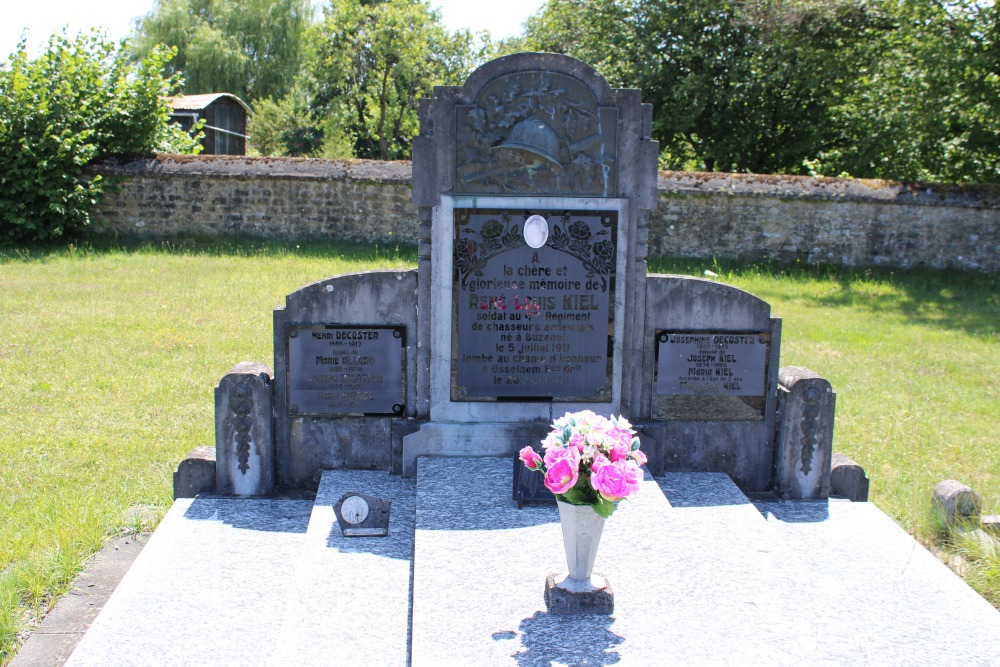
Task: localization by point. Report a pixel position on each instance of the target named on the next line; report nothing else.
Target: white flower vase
(580, 591)
(581, 530)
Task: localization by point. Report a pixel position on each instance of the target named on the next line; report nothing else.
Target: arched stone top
(549, 63)
(703, 304)
(368, 297)
(535, 124)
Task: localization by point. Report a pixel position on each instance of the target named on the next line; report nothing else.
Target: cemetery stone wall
(848, 222)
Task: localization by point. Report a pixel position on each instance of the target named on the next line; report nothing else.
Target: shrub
(79, 100)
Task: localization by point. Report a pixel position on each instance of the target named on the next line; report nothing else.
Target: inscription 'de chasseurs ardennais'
(533, 322)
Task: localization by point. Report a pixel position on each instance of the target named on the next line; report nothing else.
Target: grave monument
(533, 184)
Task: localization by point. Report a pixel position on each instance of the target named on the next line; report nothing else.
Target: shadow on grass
(212, 246)
(945, 298)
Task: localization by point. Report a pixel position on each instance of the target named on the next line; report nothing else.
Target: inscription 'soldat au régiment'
(533, 322)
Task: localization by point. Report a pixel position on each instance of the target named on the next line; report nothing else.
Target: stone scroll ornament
(241, 402)
(810, 425)
(536, 133)
(475, 248)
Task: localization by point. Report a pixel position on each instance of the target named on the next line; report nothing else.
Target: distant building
(225, 119)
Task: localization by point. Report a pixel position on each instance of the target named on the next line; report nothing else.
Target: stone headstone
(804, 444)
(534, 181)
(955, 503)
(345, 368)
(710, 375)
(244, 441)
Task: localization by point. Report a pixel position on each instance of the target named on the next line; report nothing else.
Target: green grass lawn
(109, 357)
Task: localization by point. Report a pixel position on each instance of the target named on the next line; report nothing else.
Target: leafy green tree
(741, 86)
(370, 63)
(928, 107)
(251, 48)
(274, 125)
(79, 100)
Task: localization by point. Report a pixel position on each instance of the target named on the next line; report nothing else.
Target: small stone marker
(360, 515)
(955, 503)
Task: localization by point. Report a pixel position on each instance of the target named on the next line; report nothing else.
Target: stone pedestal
(570, 596)
(244, 440)
(804, 440)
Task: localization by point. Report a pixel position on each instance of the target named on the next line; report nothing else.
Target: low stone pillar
(195, 474)
(956, 504)
(244, 435)
(804, 438)
(848, 479)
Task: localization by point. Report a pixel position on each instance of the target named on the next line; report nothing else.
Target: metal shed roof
(200, 102)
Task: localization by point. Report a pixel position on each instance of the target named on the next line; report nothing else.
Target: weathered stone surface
(955, 503)
(990, 523)
(195, 474)
(829, 220)
(244, 434)
(804, 439)
(848, 479)
(306, 445)
(565, 596)
(703, 432)
(351, 200)
(449, 181)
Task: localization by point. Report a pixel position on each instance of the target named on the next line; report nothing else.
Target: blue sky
(43, 17)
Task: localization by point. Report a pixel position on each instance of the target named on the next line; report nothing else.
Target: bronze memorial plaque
(710, 375)
(533, 305)
(345, 370)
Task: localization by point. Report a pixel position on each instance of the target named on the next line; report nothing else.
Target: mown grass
(109, 354)
(108, 360)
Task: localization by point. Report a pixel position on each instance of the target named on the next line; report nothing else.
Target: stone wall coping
(240, 166)
(828, 189)
(669, 182)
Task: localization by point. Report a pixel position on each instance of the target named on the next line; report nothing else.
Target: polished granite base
(701, 576)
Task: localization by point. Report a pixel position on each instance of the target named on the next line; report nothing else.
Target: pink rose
(619, 450)
(638, 457)
(530, 458)
(562, 475)
(557, 453)
(615, 480)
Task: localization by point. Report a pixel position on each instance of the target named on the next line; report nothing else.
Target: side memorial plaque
(533, 307)
(345, 371)
(710, 375)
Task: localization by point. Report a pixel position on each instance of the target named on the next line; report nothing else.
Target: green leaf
(603, 507)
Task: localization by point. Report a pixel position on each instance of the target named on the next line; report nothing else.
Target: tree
(742, 86)
(929, 107)
(79, 100)
(370, 63)
(251, 48)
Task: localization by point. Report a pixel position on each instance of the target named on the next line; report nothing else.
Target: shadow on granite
(699, 489)
(271, 515)
(454, 494)
(570, 640)
(795, 511)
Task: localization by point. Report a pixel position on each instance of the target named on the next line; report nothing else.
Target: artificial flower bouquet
(589, 460)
